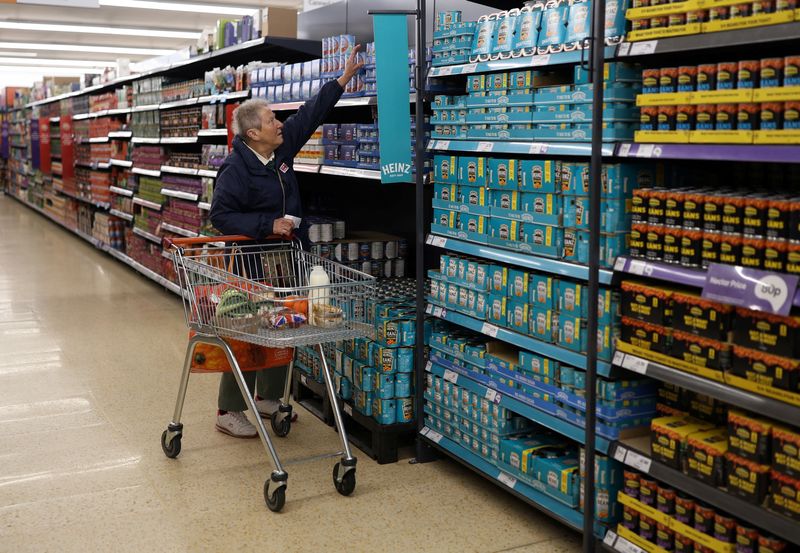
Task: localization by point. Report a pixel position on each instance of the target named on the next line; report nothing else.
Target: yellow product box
(706, 456)
(669, 437)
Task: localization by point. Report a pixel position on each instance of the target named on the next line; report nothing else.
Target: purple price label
(750, 288)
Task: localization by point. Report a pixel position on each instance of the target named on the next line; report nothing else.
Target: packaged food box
(670, 435)
(472, 195)
(672, 395)
(517, 315)
(498, 279)
(707, 408)
(538, 365)
(650, 304)
(766, 332)
(706, 456)
(699, 351)
(763, 368)
(645, 335)
(785, 495)
(496, 310)
(519, 452)
(517, 287)
(573, 299)
(542, 290)
(505, 199)
(503, 174)
(694, 314)
(539, 176)
(749, 437)
(786, 451)
(746, 479)
(472, 171)
(541, 324)
(560, 473)
(445, 169)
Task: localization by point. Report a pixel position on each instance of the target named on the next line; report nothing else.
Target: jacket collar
(254, 165)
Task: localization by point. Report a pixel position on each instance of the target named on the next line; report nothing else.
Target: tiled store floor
(90, 354)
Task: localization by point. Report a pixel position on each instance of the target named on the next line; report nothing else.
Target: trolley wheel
(348, 483)
(275, 500)
(281, 423)
(172, 449)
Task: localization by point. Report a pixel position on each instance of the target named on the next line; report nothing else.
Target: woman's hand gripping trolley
(249, 296)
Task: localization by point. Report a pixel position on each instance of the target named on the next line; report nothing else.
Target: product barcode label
(619, 264)
(434, 436)
(443, 145)
(437, 311)
(635, 364)
(624, 546)
(540, 60)
(428, 366)
(619, 358)
(424, 431)
(610, 538)
(507, 479)
(537, 148)
(492, 396)
(624, 49)
(489, 329)
(485, 146)
(620, 453)
(429, 309)
(439, 241)
(639, 462)
(451, 376)
(643, 48)
(469, 68)
(637, 267)
(348, 409)
(646, 150)
(624, 149)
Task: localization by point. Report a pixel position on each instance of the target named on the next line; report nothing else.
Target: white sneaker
(268, 406)
(236, 424)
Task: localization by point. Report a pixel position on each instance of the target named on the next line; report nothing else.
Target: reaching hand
(283, 227)
(351, 67)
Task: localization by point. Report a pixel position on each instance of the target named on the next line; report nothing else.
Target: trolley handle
(170, 243)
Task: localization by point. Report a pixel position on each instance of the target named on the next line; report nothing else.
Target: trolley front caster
(347, 483)
(171, 440)
(281, 421)
(277, 498)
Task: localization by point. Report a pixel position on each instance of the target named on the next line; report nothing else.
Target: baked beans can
(656, 204)
(712, 213)
(650, 81)
(793, 258)
(724, 528)
(746, 539)
(794, 220)
(775, 252)
(654, 245)
(732, 214)
(691, 248)
(630, 519)
(718, 13)
(754, 219)
(725, 119)
(640, 24)
(641, 3)
(639, 204)
(704, 518)
(668, 79)
(748, 74)
(648, 118)
(648, 488)
(771, 544)
(726, 75)
(730, 249)
(711, 248)
(707, 77)
(697, 16)
(687, 78)
(771, 118)
(748, 117)
(763, 6)
(741, 10)
(771, 72)
(784, 5)
(683, 544)
(684, 509)
(673, 208)
(672, 245)
(677, 19)
(636, 246)
(693, 210)
(778, 218)
(666, 117)
(659, 22)
(791, 115)
(685, 118)
(665, 538)
(705, 117)
(752, 253)
(647, 528)
(665, 499)
(791, 71)
(631, 483)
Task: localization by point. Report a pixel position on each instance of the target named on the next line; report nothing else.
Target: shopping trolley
(259, 293)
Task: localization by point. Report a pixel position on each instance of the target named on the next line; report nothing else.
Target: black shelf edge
(709, 41)
(779, 525)
(737, 397)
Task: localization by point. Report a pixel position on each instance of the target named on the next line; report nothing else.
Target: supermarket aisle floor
(89, 359)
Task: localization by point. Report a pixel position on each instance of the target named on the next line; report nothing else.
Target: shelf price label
(429, 366)
(469, 68)
(624, 49)
(538, 61)
(442, 145)
(619, 358)
(635, 364)
(437, 311)
(620, 453)
(489, 329)
(643, 48)
(485, 146)
(493, 396)
(304, 380)
(347, 409)
(610, 538)
(638, 267)
(439, 241)
(444, 71)
(637, 461)
(424, 431)
(451, 376)
(507, 479)
(537, 148)
(434, 436)
(625, 149)
(429, 309)
(619, 264)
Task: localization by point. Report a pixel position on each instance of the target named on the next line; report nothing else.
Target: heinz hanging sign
(394, 120)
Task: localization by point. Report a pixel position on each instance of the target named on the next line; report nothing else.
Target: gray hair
(248, 116)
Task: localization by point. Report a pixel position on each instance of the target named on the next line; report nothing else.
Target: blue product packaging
(553, 32)
(614, 217)
(505, 199)
(445, 192)
(517, 287)
(540, 175)
(544, 239)
(384, 410)
(384, 387)
(496, 310)
(503, 174)
(498, 279)
(541, 291)
(615, 20)
(517, 315)
(364, 378)
(571, 332)
(445, 169)
(472, 223)
(472, 195)
(545, 208)
(579, 23)
(505, 229)
(345, 388)
(482, 41)
(497, 82)
(575, 178)
(445, 218)
(405, 360)
(476, 83)
(402, 385)
(397, 332)
(504, 33)
(538, 365)
(472, 171)
(541, 324)
(521, 80)
(405, 410)
(560, 473)
(526, 35)
(580, 380)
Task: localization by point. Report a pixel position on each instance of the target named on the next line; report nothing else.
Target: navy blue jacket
(249, 196)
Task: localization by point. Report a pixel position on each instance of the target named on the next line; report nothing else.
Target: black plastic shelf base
(381, 442)
(311, 394)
